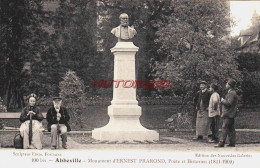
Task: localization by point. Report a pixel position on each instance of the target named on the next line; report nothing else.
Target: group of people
(210, 108)
(31, 127)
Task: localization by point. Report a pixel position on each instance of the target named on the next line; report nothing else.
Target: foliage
(159, 100)
(180, 121)
(75, 38)
(143, 16)
(106, 101)
(21, 37)
(249, 66)
(195, 37)
(72, 91)
(182, 40)
(44, 101)
(3, 109)
(69, 43)
(97, 101)
(183, 118)
(39, 45)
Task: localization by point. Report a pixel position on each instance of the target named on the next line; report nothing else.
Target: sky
(242, 12)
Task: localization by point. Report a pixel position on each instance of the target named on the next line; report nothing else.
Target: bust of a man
(124, 32)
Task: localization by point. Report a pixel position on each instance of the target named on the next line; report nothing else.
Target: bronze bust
(124, 32)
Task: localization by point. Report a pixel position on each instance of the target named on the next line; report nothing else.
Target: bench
(16, 115)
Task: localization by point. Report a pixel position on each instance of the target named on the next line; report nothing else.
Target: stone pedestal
(124, 112)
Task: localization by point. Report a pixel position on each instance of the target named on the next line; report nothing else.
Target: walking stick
(58, 133)
(30, 129)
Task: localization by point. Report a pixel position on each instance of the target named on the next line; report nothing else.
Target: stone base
(121, 135)
(124, 125)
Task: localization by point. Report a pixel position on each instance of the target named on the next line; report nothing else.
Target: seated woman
(31, 136)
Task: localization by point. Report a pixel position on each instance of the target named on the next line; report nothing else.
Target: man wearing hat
(58, 118)
(201, 102)
(229, 110)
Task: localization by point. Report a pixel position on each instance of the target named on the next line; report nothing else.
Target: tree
(194, 38)
(144, 16)
(249, 66)
(68, 43)
(3, 109)
(20, 41)
(75, 38)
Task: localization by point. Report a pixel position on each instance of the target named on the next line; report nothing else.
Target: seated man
(58, 118)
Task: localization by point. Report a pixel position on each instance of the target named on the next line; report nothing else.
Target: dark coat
(38, 116)
(205, 97)
(52, 117)
(229, 105)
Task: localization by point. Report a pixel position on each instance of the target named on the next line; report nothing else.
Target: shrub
(159, 100)
(72, 92)
(3, 109)
(180, 121)
(183, 119)
(44, 101)
(97, 101)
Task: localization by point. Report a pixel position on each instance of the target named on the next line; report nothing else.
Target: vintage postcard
(141, 83)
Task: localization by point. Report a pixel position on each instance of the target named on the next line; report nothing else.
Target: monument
(124, 112)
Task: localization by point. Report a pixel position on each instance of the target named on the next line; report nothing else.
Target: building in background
(249, 38)
(249, 60)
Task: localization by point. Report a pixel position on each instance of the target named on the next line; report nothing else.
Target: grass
(153, 117)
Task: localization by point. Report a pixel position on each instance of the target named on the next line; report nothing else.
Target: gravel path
(183, 145)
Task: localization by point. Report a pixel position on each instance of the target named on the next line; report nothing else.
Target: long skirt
(202, 123)
(37, 134)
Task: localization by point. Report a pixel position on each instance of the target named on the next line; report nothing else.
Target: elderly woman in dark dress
(37, 128)
(201, 101)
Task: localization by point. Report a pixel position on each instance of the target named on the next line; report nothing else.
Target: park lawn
(153, 117)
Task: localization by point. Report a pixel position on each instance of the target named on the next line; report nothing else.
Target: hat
(57, 98)
(32, 95)
(203, 82)
(214, 86)
(232, 82)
